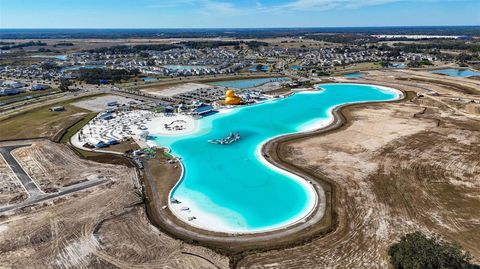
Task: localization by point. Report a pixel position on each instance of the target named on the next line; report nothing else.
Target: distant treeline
(342, 38)
(441, 45)
(209, 44)
(216, 44)
(64, 44)
(123, 49)
(101, 75)
(23, 45)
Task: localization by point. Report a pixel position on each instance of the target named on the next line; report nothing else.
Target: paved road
(35, 194)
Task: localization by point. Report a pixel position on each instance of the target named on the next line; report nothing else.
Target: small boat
(185, 208)
(191, 218)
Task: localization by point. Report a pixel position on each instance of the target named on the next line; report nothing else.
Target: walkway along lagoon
(233, 188)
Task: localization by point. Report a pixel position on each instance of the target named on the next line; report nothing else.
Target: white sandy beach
(205, 220)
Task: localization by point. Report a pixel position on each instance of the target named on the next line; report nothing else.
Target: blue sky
(239, 13)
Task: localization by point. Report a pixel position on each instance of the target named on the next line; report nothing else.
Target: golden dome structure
(231, 98)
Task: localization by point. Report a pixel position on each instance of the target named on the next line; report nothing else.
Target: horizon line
(230, 28)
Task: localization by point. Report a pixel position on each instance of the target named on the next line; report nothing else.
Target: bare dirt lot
(53, 166)
(11, 191)
(132, 240)
(102, 227)
(100, 103)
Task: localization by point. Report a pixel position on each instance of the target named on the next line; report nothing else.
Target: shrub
(417, 251)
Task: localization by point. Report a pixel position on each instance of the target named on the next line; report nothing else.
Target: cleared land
(101, 103)
(103, 227)
(133, 241)
(43, 159)
(11, 191)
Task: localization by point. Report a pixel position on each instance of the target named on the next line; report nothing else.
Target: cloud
(335, 4)
(215, 8)
(232, 8)
(203, 7)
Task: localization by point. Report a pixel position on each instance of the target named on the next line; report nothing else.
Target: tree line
(124, 49)
(103, 75)
(216, 44)
(438, 45)
(23, 45)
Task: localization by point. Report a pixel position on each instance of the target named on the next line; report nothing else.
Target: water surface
(353, 75)
(229, 188)
(453, 72)
(58, 57)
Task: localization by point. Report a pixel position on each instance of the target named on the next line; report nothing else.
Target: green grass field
(41, 122)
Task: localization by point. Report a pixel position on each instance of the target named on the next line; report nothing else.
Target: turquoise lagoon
(457, 72)
(232, 188)
(247, 83)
